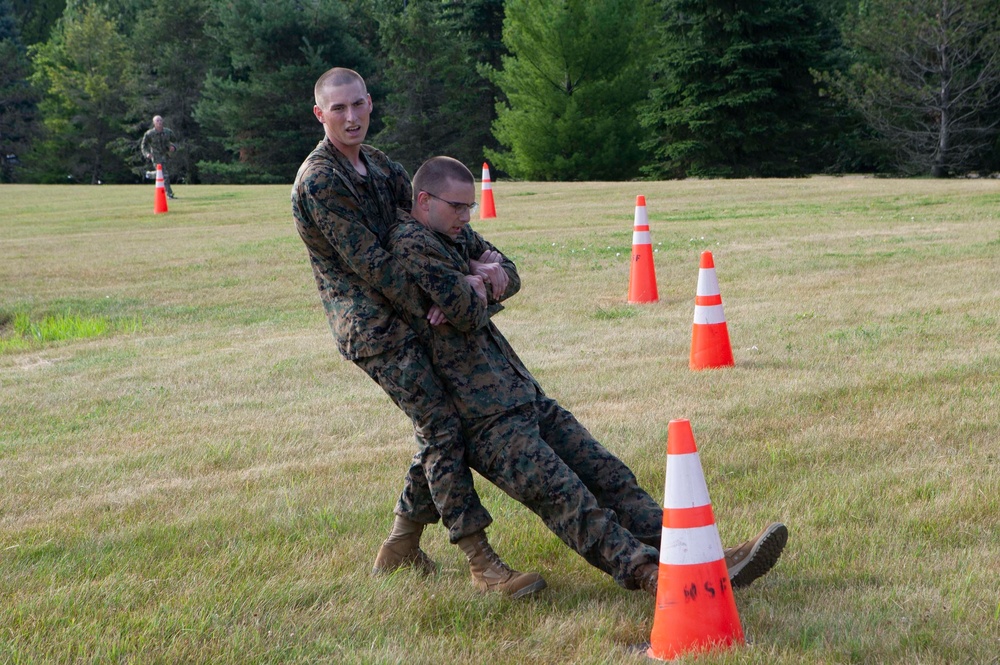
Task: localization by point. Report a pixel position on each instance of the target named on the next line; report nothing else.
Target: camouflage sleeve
(401, 187)
(439, 275)
(339, 217)
(144, 144)
(477, 244)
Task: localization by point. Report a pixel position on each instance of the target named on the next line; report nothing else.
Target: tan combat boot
(489, 573)
(402, 548)
(647, 576)
(752, 559)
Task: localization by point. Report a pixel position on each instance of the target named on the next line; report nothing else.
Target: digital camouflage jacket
(157, 144)
(474, 360)
(344, 219)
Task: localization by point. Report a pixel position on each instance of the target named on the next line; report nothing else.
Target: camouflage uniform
(516, 436)
(156, 147)
(344, 219)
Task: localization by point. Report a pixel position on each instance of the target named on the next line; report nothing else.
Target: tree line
(543, 89)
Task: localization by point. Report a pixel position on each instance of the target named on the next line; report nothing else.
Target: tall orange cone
(487, 209)
(695, 608)
(160, 200)
(710, 345)
(642, 274)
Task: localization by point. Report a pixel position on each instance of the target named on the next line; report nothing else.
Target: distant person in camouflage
(345, 201)
(517, 437)
(157, 146)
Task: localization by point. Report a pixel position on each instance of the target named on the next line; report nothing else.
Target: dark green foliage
(439, 102)
(36, 18)
(259, 104)
(85, 71)
(575, 76)
(173, 54)
(543, 89)
(480, 25)
(926, 77)
(734, 95)
(19, 123)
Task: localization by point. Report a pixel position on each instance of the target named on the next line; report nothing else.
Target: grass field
(190, 473)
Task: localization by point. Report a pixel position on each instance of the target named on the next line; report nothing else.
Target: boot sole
(528, 590)
(762, 557)
(424, 566)
(423, 571)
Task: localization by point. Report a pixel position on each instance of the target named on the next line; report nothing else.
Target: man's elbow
(469, 322)
(466, 325)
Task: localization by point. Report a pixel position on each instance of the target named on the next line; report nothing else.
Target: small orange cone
(695, 608)
(642, 274)
(160, 200)
(709, 335)
(488, 208)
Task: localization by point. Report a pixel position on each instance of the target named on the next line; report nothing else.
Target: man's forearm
(360, 250)
(480, 247)
(450, 289)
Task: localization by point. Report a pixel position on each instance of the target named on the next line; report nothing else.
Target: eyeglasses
(459, 208)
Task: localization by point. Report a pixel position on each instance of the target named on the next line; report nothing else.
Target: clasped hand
(487, 270)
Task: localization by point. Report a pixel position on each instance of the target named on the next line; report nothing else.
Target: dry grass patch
(211, 485)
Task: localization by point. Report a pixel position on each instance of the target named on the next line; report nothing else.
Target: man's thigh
(508, 451)
(407, 377)
(595, 464)
(605, 475)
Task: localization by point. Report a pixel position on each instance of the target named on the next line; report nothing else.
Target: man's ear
(318, 112)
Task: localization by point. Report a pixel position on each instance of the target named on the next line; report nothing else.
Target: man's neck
(353, 154)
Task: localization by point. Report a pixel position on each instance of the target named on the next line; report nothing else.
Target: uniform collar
(460, 242)
(345, 164)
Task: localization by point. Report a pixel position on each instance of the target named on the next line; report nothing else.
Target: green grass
(191, 474)
(26, 333)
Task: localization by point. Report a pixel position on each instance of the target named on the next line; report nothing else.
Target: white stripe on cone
(709, 314)
(687, 487)
(708, 282)
(689, 547)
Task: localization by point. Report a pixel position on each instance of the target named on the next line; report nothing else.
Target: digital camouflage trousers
(439, 482)
(540, 455)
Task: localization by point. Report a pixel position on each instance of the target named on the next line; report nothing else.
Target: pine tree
(258, 105)
(173, 56)
(18, 102)
(927, 79)
(85, 71)
(576, 73)
(734, 95)
(439, 102)
(36, 18)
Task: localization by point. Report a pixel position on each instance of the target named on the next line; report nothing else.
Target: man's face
(345, 112)
(158, 123)
(447, 211)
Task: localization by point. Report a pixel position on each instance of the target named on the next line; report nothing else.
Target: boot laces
(494, 558)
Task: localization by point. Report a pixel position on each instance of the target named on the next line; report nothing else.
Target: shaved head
(436, 171)
(333, 78)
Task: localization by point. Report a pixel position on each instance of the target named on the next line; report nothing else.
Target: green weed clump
(26, 333)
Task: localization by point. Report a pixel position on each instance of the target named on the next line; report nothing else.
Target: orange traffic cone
(487, 209)
(642, 274)
(695, 608)
(160, 200)
(709, 335)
